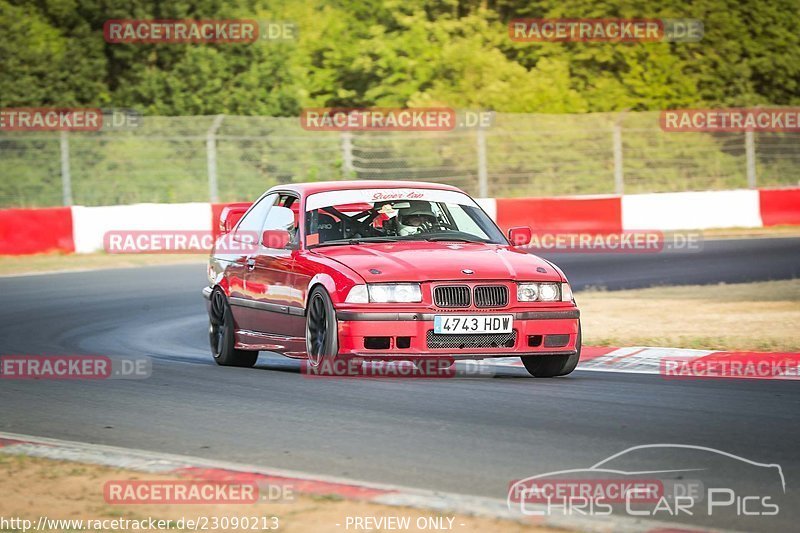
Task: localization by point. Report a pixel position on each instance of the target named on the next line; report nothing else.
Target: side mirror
(275, 238)
(520, 235)
(230, 216)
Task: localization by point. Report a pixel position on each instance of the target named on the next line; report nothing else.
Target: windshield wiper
(361, 240)
(434, 238)
(377, 239)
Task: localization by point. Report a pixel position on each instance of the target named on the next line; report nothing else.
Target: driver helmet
(409, 219)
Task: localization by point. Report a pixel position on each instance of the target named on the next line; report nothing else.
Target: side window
(249, 228)
(464, 222)
(283, 216)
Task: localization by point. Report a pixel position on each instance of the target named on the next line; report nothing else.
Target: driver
(415, 218)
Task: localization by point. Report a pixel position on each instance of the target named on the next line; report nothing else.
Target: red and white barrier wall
(90, 224)
(748, 208)
(30, 231)
(81, 229)
(692, 210)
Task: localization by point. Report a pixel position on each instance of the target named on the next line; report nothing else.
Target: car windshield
(388, 215)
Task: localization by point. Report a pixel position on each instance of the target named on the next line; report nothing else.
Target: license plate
(460, 324)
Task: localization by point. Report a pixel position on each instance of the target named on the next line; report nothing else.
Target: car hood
(430, 261)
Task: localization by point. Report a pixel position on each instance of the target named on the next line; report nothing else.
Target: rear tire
(221, 333)
(548, 366)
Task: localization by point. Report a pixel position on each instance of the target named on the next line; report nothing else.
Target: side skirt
(253, 340)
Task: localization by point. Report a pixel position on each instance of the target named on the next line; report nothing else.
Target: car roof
(304, 189)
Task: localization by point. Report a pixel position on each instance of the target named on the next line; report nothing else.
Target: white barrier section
(90, 224)
(691, 210)
(489, 205)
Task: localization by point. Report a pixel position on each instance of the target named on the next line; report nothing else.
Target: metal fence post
(619, 177)
(211, 158)
(66, 177)
(483, 172)
(347, 154)
(750, 153)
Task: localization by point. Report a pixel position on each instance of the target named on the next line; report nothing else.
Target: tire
(549, 366)
(220, 335)
(322, 334)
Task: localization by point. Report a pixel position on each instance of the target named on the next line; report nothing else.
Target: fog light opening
(534, 340)
(377, 343)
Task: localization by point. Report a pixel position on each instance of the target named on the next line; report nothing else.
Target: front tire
(549, 366)
(322, 332)
(220, 335)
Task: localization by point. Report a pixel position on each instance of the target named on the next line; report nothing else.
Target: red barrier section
(779, 206)
(216, 211)
(590, 214)
(31, 231)
(593, 352)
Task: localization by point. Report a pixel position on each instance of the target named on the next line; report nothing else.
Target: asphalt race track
(715, 261)
(464, 435)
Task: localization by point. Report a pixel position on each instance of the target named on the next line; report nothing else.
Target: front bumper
(389, 335)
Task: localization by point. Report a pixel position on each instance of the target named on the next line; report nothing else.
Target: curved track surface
(465, 435)
(715, 261)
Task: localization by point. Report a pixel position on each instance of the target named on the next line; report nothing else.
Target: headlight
(395, 293)
(549, 292)
(542, 292)
(527, 292)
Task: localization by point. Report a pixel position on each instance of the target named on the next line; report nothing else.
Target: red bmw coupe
(383, 270)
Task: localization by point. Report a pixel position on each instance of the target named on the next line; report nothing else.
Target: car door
(245, 235)
(269, 276)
